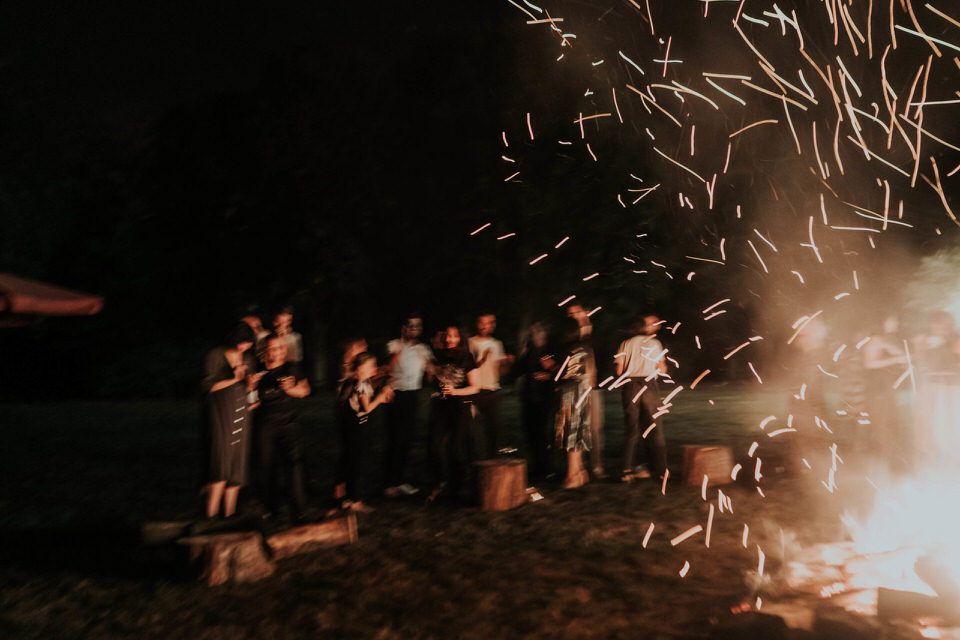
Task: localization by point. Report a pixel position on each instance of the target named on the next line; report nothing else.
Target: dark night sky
(155, 132)
(84, 62)
(194, 161)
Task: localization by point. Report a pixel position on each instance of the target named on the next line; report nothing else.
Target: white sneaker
(407, 489)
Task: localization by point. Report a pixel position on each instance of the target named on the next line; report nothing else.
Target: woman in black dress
(225, 387)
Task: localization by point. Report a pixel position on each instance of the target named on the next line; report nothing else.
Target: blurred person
(884, 361)
(454, 441)
(350, 349)
(937, 405)
(493, 362)
(938, 347)
(807, 402)
(279, 450)
(226, 388)
(356, 400)
(578, 313)
(439, 340)
(641, 359)
(256, 325)
(573, 398)
(283, 327)
(409, 358)
(535, 365)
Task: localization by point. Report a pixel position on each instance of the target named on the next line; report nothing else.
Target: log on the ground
(329, 533)
(223, 557)
(714, 462)
(502, 483)
(164, 532)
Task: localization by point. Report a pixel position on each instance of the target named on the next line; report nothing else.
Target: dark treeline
(194, 166)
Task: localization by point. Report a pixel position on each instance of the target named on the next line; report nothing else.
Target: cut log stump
(330, 533)
(224, 557)
(502, 483)
(714, 462)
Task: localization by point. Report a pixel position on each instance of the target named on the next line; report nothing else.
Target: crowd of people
(251, 384)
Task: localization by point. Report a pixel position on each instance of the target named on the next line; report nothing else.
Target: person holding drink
(226, 432)
(453, 440)
(278, 442)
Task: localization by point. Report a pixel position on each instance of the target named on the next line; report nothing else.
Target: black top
(576, 365)
(349, 404)
(534, 361)
(276, 405)
(452, 366)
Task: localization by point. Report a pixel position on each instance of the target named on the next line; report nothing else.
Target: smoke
(935, 286)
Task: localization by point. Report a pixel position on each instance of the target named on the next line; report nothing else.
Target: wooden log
(714, 462)
(223, 557)
(329, 533)
(164, 532)
(501, 483)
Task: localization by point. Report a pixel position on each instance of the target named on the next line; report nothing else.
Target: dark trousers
(401, 425)
(596, 429)
(487, 402)
(537, 411)
(454, 443)
(352, 466)
(637, 416)
(281, 466)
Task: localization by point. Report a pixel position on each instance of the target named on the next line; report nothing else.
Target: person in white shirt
(492, 362)
(641, 359)
(409, 359)
(283, 327)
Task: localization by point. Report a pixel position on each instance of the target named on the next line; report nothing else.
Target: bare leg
(230, 501)
(214, 495)
(574, 470)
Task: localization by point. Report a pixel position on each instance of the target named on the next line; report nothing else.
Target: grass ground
(79, 477)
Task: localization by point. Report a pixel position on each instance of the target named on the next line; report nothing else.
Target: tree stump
(223, 557)
(714, 462)
(330, 533)
(502, 483)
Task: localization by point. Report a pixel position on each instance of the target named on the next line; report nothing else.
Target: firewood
(714, 462)
(502, 483)
(223, 557)
(329, 533)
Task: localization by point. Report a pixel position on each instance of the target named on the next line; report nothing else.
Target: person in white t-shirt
(492, 362)
(641, 359)
(283, 327)
(408, 361)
